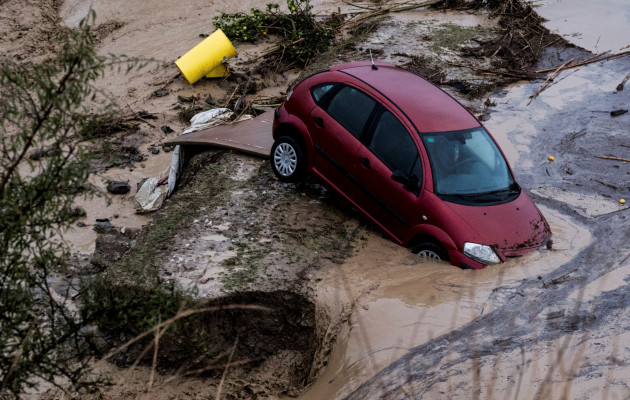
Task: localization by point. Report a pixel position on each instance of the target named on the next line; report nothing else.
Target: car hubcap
(285, 159)
(429, 255)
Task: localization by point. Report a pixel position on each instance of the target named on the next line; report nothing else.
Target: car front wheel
(288, 159)
(430, 252)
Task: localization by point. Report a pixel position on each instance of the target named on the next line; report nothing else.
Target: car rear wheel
(288, 159)
(430, 252)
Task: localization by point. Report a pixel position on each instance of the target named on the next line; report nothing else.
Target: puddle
(404, 303)
(596, 25)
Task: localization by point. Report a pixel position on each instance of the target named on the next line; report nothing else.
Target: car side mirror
(409, 182)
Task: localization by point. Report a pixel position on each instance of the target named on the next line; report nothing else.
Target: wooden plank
(253, 136)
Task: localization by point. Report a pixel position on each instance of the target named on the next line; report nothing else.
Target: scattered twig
(395, 8)
(137, 117)
(168, 81)
(556, 40)
(590, 60)
(493, 72)
(178, 316)
(574, 136)
(605, 184)
(558, 280)
(225, 370)
(548, 81)
(156, 347)
(227, 103)
(614, 158)
(620, 86)
(360, 6)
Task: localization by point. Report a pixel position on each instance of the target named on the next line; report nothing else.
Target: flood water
(405, 303)
(595, 25)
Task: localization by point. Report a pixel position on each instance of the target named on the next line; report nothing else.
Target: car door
(336, 125)
(389, 169)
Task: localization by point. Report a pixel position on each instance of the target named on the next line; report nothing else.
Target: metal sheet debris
(253, 136)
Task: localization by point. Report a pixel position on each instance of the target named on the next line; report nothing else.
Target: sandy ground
(550, 325)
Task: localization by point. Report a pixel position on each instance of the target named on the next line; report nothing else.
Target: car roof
(428, 107)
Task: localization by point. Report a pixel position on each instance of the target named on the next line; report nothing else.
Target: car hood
(511, 229)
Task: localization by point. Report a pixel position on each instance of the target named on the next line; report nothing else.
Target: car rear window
(319, 91)
(351, 108)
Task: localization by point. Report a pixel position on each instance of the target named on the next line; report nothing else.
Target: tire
(288, 159)
(430, 252)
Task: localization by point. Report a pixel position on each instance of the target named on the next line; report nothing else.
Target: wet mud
(371, 321)
(403, 303)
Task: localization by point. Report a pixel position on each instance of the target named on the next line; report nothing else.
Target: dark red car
(412, 159)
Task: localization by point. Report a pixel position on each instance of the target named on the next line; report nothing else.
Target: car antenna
(374, 67)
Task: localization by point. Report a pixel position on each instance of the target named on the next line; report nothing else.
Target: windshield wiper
(493, 195)
(459, 195)
(500, 193)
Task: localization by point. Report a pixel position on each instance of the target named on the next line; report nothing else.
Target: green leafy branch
(301, 36)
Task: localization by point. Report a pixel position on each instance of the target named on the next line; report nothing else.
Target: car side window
(351, 108)
(393, 145)
(319, 91)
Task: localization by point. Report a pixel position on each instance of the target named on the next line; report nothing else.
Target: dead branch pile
(523, 35)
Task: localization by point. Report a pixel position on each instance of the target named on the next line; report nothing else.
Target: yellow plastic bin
(205, 58)
(219, 72)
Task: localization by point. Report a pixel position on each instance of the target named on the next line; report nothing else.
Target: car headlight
(482, 253)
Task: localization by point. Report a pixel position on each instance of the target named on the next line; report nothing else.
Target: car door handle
(365, 162)
(319, 121)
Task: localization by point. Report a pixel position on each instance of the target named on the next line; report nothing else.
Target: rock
(103, 227)
(167, 148)
(166, 129)
(131, 233)
(95, 339)
(146, 115)
(118, 187)
(184, 99)
(109, 249)
(240, 104)
(154, 151)
(161, 93)
(47, 152)
(81, 224)
(209, 101)
(77, 212)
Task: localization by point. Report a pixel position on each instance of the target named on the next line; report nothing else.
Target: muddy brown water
(403, 303)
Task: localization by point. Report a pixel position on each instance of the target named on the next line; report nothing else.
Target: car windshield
(468, 165)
